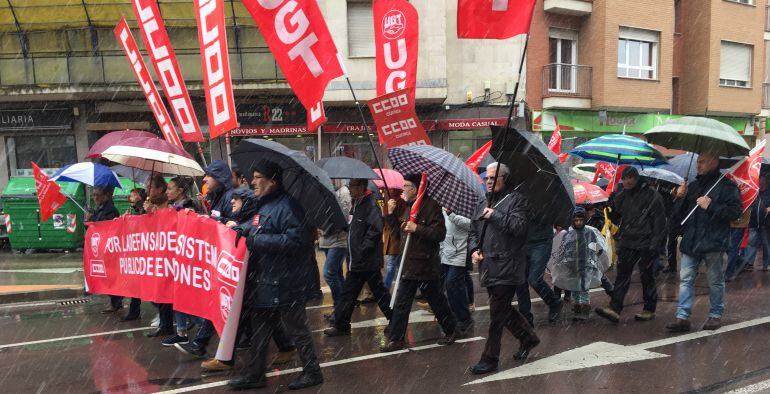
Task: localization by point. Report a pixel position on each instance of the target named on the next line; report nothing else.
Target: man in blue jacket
(278, 243)
(705, 237)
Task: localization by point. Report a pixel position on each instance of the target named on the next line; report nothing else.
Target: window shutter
(735, 61)
(360, 29)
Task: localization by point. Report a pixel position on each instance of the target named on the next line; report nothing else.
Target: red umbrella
(393, 178)
(113, 138)
(586, 193)
(153, 154)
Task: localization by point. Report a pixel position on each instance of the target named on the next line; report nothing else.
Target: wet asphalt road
(75, 349)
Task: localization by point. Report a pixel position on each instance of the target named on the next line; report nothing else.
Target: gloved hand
(240, 233)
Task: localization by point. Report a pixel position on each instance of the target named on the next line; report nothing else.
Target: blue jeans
(716, 279)
(184, 321)
(205, 333)
(391, 268)
(335, 257)
(758, 238)
(453, 278)
(537, 259)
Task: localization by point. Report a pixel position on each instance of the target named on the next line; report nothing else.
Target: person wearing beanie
(641, 218)
(578, 262)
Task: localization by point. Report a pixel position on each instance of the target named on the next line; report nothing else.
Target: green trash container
(120, 196)
(64, 230)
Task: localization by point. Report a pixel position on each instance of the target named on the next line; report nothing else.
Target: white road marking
(754, 388)
(603, 353)
(323, 365)
(96, 334)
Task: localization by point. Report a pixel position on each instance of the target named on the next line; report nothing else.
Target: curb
(37, 296)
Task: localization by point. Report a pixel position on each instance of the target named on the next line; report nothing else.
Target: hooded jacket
(365, 235)
(708, 230)
(454, 248)
(250, 205)
(221, 196)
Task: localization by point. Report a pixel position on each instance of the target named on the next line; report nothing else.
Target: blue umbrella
(619, 149)
(92, 174)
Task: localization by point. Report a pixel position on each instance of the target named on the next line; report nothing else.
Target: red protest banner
(496, 19)
(126, 40)
(555, 143)
(477, 157)
(215, 61)
(179, 258)
(396, 36)
(48, 194)
(396, 120)
(158, 45)
(745, 174)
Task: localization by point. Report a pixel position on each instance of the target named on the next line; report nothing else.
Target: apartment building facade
(65, 80)
(613, 66)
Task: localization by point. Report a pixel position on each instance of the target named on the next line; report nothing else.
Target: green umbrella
(697, 134)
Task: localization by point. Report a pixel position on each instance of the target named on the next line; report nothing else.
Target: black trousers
(671, 251)
(351, 288)
(280, 336)
(263, 323)
(503, 316)
(627, 260)
(166, 314)
(133, 307)
(432, 290)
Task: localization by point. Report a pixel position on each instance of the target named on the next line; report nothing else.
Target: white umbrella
(155, 155)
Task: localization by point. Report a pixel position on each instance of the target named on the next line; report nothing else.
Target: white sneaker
(155, 321)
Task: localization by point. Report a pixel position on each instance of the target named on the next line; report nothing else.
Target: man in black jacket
(639, 213)
(502, 259)
(366, 258)
(705, 237)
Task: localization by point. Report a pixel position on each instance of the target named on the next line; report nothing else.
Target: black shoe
(192, 349)
(608, 314)
(329, 317)
(680, 325)
(449, 339)
(336, 332)
(526, 346)
(307, 379)
(369, 300)
(555, 311)
(173, 340)
(483, 367)
(129, 317)
(713, 323)
(111, 309)
(247, 382)
(160, 332)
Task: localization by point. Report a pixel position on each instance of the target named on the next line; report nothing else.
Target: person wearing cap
(277, 279)
(422, 269)
(641, 218)
(366, 258)
(716, 202)
(502, 260)
(578, 262)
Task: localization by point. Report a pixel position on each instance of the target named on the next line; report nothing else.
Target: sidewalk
(40, 277)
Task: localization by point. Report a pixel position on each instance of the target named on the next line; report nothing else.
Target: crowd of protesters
(512, 250)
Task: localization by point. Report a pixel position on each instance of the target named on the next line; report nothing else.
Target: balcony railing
(766, 95)
(107, 68)
(767, 18)
(566, 80)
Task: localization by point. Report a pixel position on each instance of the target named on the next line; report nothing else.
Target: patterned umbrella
(587, 193)
(450, 182)
(619, 149)
(89, 173)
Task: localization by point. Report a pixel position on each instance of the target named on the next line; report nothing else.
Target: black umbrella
(538, 173)
(302, 179)
(342, 167)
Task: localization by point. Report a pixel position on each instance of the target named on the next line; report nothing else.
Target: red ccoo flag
(477, 157)
(418, 201)
(495, 19)
(48, 194)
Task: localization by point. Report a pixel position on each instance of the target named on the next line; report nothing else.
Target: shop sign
(36, 119)
(270, 130)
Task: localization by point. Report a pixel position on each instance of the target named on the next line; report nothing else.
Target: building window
(563, 58)
(678, 16)
(47, 151)
(749, 2)
(638, 53)
(735, 64)
(360, 29)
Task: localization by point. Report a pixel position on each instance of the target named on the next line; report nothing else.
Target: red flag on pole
(745, 174)
(610, 172)
(477, 157)
(48, 194)
(495, 19)
(297, 35)
(396, 120)
(555, 143)
(418, 201)
(163, 58)
(215, 59)
(396, 35)
(126, 40)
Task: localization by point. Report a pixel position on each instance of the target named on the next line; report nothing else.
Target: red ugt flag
(396, 37)
(48, 194)
(495, 19)
(745, 174)
(477, 157)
